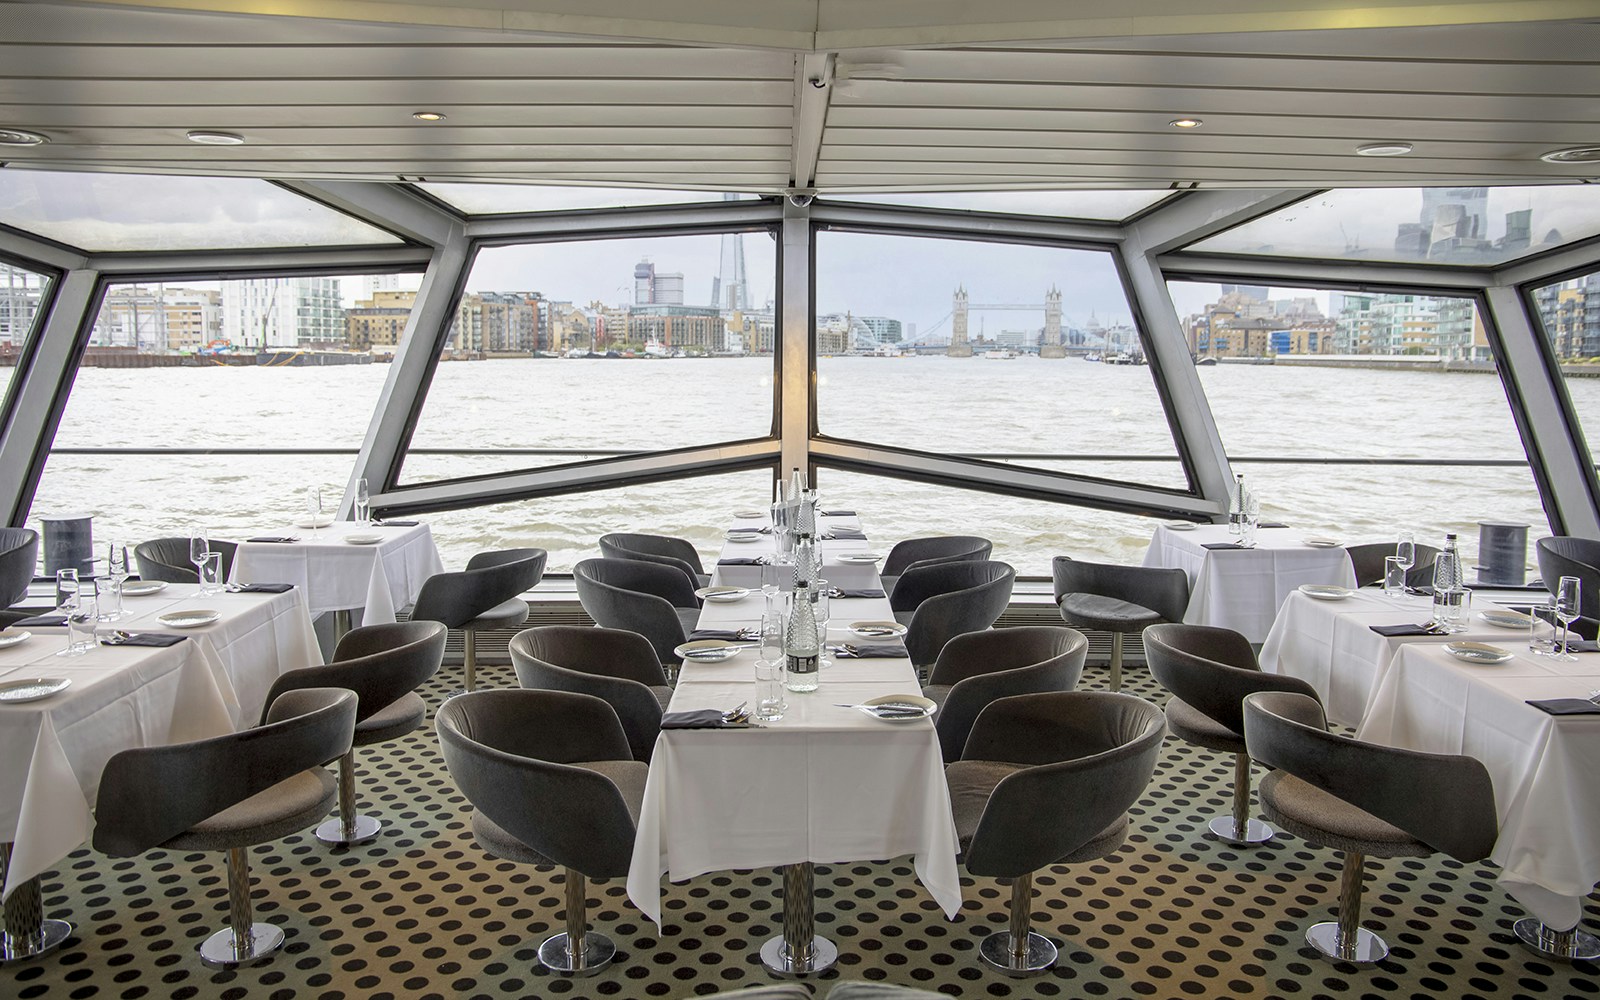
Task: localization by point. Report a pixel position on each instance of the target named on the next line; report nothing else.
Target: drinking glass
(211, 574)
(117, 569)
(772, 637)
(80, 612)
(820, 601)
(66, 588)
(1405, 550)
(198, 547)
(1452, 608)
(363, 503)
(1542, 629)
(769, 689)
(1568, 594)
(1394, 577)
(105, 592)
(313, 507)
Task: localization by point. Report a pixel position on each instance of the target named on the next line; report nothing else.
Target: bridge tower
(960, 347)
(1051, 346)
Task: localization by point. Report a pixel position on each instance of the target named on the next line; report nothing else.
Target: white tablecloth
(337, 575)
(825, 784)
(1543, 766)
(1242, 589)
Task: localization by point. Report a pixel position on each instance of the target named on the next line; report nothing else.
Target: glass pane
(503, 199)
(1570, 314)
(107, 212)
(1301, 373)
(1476, 226)
(1098, 206)
(177, 366)
(1060, 383)
(626, 346)
(22, 292)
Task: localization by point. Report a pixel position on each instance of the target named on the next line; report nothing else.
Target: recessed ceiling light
(427, 116)
(21, 137)
(1384, 149)
(1577, 154)
(206, 137)
(1186, 123)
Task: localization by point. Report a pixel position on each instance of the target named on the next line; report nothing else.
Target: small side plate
(897, 707)
(751, 514)
(1323, 543)
(321, 521)
(722, 595)
(363, 539)
(1325, 592)
(1500, 618)
(1180, 525)
(193, 618)
(12, 636)
(32, 688)
(877, 630)
(142, 588)
(710, 650)
(1477, 652)
(742, 536)
(858, 557)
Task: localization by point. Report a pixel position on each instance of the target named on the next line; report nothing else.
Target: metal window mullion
(797, 361)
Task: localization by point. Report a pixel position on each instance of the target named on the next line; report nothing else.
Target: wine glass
(1568, 594)
(820, 603)
(1405, 551)
(117, 569)
(363, 503)
(199, 546)
(66, 589)
(313, 507)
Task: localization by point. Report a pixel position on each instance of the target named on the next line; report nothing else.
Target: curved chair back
(167, 559)
(380, 663)
(636, 596)
(1444, 800)
(936, 549)
(1164, 591)
(490, 578)
(1367, 561)
(149, 795)
(663, 549)
(1568, 555)
(511, 752)
(19, 559)
(981, 667)
(616, 665)
(951, 599)
(1090, 756)
(1212, 669)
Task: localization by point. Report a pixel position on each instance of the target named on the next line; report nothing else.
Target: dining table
(824, 784)
(342, 566)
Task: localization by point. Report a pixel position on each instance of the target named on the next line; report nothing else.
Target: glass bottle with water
(802, 647)
(805, 560)
(1449, 581)
(1236, 505)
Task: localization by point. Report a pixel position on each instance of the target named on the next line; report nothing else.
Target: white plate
(927, 705)
(12, 636)
(877, 630)
(858, 557)
(722, 595)
(32, 688)
(1326, 592)
(743, 536)
(1477, 652)
(751, 513)
(363, 539)
(710, 650)
(141, 588)
(1180, 525)
(193, 618)
(1323, 543)
(321, 521)
(1506, 619)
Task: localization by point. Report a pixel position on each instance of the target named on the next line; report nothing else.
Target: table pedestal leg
(1570, 945)
(341, 624)
(798, 951)
(26, 932)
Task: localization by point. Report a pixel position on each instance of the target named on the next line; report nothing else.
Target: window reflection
(1569, 313)
(22, 295)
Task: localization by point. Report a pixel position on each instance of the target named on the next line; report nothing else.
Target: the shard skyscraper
(729, 290)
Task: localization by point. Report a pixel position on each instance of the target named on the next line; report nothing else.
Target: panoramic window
(1357, 414)
(1024, 355)
(1096, 206)
(22, 295)
(1569, 312)
(569, 352)
(511, 199)
(110, 212)
(1471, 225)
(220, 403)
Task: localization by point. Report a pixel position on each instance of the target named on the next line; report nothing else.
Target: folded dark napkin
(1583, 646)
(847, 534)
(845, 593)
(1271, 524)
(870, 650)
(838, 513)
(1407, 629)
(264, 588)
(272, 538)
(1221, 545)
(396, 524)
(700, 718)
(743, 561)
(725, 634)
(41, 621)
(1567, 706)
(142, 639)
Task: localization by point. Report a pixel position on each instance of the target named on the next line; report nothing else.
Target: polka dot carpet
(422, 912)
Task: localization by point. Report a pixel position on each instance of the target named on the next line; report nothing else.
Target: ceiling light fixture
(1384, 149)
(21, 137)
(1577, 154)
(427, 116)
(1186, 123)
(206, 137)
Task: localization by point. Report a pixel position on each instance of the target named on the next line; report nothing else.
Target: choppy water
(958, 405)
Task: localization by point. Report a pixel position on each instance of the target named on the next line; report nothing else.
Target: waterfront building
(292, 312)
(155, 319)
(378, 321)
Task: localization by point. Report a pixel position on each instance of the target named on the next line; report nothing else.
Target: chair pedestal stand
(1116, 661)
(1572, 945)
(1345, 939)
(799, 950)
(576, 952)
(26, 933)
(1240, 828)
(1019, 951)
(244, 941)
(349, 827)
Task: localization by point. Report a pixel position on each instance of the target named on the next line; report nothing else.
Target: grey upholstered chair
(651, 599)
(1568, 555)
(383, 665)
(1362, 799)
(1367, 561)
(229, 793)
(1209, 672)
(943, 600)
(1118, 599)
(979, 667)
(927, 551)
(1047, 779)
(663, 549)
(168, 559)
(616, 665)
(19, 559)
(484, 596)
(552, 782)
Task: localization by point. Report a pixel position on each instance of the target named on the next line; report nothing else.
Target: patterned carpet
(422, 912)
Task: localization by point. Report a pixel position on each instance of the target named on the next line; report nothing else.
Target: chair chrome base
(220, 950)
(598, 951)
(1566, 946)
(995, 950)
(1226, 828)
(1365, 949)
(365, 828)
(21, 947)
(778, 959)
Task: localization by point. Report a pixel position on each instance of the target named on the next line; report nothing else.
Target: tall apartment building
(378, 321)
(305, 311)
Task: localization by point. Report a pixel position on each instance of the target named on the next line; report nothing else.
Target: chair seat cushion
(663, 695)
(503, 615)
(1106, 613)
(971, 782)
(501, 844)
(1189, 723)
(627, 775)
(392, 721)
(1312, 814)
(936, 693)
(290, 806)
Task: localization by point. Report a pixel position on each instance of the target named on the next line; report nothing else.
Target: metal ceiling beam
(197, 264)
(1547, 267)
(1200, 214)
(813, 86)
(52, 255)
(1292, 272)
(393, 209)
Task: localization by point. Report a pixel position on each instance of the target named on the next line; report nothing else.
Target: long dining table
(824, 784)
(343, 566)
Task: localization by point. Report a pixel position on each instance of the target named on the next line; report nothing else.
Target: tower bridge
(1050, 345)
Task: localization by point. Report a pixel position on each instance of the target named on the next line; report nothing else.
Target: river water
(974, 406)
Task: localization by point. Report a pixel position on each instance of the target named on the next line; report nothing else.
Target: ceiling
(878, 95)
